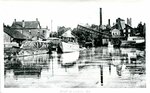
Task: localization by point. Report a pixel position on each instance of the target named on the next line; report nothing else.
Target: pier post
(101, 74)
(110, 68)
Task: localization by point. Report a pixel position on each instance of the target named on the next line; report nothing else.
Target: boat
(68, 43)
(34, 48)
(54, 42)
(134, 41)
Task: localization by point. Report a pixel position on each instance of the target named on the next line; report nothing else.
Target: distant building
(31, 29)
(125, 29)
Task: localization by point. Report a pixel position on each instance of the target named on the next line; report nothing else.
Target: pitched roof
(126, 25)
(13, 33)
(26, 24)
(68, 34)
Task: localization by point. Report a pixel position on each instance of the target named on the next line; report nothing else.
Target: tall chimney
(100, 16)
(109, 22)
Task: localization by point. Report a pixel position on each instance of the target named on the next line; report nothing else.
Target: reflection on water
(94, 67)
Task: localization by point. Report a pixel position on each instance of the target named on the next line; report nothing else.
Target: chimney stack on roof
(129, 21)
(36, 19)
(14, 20)
(23, 23)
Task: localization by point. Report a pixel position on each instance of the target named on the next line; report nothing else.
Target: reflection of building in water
(127, 60)
(118, 59)
(135, 65)
(132, 56)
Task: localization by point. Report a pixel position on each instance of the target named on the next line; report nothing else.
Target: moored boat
(34, 48)
(134, 41)
(68, 43)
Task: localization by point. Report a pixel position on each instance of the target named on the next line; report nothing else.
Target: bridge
(115, 40)
(92, 31)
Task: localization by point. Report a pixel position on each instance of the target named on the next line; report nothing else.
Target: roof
(26, 24)
(116, 30)
(67, 34)
(13, 33)
(116, 26)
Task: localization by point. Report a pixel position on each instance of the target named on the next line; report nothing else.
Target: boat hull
(69, 47)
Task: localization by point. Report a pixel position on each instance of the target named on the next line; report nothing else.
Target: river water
(88, 68)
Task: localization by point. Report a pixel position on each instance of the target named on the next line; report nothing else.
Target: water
(89, 68)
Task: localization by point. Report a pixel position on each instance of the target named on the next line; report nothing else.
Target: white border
(144, 4)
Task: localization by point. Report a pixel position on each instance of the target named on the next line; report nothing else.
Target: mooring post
(101, 74)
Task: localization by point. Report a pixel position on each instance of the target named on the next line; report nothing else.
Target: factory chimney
(108, 22)
(100, 17)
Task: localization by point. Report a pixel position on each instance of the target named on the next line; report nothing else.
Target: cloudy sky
(70, 13)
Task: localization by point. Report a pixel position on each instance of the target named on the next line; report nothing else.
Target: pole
(51, 27)
(101, 74)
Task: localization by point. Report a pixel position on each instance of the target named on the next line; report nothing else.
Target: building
(125, 29)
(31, 29)
(115, 33)
(12, 37)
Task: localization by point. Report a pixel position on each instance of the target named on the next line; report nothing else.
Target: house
(125, 29)
(12, 37)
(31, 29)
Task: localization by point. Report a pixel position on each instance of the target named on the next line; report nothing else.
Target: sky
(71, 13)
